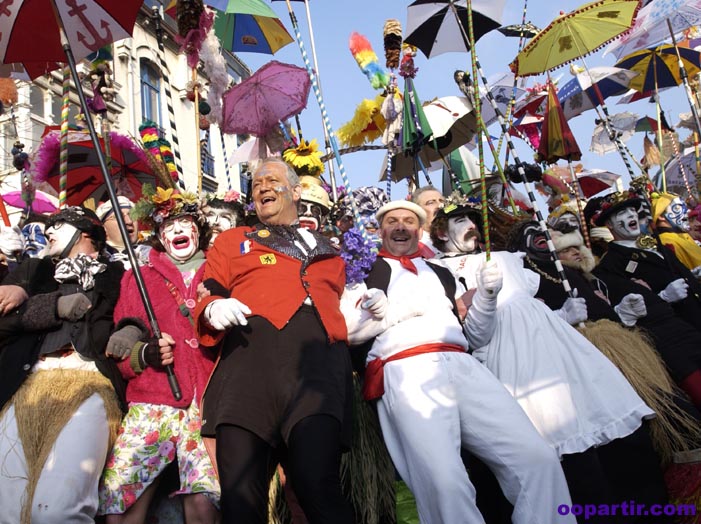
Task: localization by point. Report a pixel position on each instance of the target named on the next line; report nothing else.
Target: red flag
(556, 139)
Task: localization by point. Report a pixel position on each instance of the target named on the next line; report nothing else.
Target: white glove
(11, 240)
(631, 308)
(675, 291)
(375, 302)
(696, 272)
(574, 310)
(223, 313)
(489, 279)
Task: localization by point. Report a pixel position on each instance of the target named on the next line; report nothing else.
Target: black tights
(246, 464)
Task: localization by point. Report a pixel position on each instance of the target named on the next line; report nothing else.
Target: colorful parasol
(40, 202)
(653, 23)
(579, 94)
(556, 139)
(658, 67)
(433, 28)
(90, 26)
(129, 167)
(274, 93)
(249, 26)
(574, 35)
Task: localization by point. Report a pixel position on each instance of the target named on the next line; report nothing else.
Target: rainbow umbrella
(249, 26)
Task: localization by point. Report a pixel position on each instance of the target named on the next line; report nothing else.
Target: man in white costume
(574, 396)
(433, 397)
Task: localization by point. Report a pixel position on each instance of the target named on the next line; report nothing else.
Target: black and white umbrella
(433, 27)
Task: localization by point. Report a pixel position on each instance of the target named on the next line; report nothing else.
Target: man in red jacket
(281, 390)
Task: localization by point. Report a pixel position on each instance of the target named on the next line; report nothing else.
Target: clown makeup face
(535, 243)
(644, 218)
(219, 219)
(59, 237)
(400, 232)
(677, 214)
(180, 237)
(566, 222)
(624, 224)
(430, 201)
(311, 215)
(462, 235)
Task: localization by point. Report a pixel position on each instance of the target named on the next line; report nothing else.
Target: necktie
(404, 260)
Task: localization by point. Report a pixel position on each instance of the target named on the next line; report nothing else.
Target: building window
(150, 92)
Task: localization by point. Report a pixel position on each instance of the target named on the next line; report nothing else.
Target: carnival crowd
(500, 382)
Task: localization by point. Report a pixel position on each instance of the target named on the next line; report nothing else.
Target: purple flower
(358, 256)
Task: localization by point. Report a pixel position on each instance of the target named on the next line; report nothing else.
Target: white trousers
(437, 402)
(66, 491)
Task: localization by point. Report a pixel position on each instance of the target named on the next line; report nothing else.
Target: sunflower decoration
(305, 158)
(158, 204)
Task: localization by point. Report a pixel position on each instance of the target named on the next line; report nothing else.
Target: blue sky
(344, 85)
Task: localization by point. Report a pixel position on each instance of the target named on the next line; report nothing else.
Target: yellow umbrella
(574, 35)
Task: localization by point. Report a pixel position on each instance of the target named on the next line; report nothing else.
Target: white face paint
(677, 214)
(219, 219)
(624, 224)
(180, 237)
(567, 220)
(462, 235)
(58, 237)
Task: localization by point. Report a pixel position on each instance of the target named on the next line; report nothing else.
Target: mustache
(472, 234)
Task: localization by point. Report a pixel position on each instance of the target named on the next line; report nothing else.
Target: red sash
(374, 386)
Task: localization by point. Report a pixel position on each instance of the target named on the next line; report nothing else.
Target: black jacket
(656, 271)
(22, 331)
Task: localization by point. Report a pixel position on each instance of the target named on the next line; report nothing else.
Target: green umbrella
(416, 131)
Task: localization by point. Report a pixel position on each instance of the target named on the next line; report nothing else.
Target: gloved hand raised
(72, 307)
(631, 308)
(122, 341)
(375, 301)
(675, 291)
(490, 279)
(574, 310)
(224, 313)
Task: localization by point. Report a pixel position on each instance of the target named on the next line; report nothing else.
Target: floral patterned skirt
(151, 437)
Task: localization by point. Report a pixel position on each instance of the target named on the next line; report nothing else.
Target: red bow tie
(404, 260)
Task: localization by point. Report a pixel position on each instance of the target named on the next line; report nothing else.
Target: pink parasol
(41, 202)
(274, 93)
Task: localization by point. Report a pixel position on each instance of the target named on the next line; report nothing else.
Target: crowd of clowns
(495, 393)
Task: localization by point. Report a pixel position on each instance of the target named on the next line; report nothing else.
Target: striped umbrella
(249, 26)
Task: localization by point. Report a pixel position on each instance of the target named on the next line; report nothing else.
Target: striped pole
(480, 129)
(521, 171)
(226, 160)
(169, 96)
(63, 156)
(327, 123)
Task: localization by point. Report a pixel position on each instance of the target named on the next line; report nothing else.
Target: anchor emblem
(98, 40)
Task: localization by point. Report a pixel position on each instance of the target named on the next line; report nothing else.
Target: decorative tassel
(392, 34)
(188, 14)
(367, 61)
(160, 156)
(215, 66)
